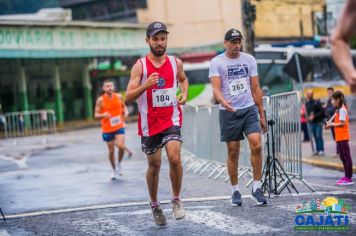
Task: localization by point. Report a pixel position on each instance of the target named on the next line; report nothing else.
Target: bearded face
(108, 87)
(158, 44)
(158, 50)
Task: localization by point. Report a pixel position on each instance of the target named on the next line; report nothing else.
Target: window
(200, 76)
(115, 6)
(274, 79)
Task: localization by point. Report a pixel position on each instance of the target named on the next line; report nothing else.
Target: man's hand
(351, 79)
(106, 115)
(328, 125)
(182, 98)
(152, 80)
(311, 117)
(227, 105)
(263, 124)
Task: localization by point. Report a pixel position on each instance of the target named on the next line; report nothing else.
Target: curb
(326, 164)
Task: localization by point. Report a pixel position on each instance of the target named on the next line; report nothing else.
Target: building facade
(203, 22)
(286, 19)
(49, 65)
(104, 10)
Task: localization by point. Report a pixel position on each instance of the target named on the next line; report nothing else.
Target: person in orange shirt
(111, 109)
(342, 135)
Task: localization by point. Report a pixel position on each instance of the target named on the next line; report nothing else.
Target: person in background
(111, 109)
(315, 113)
(342, 135)
(304, 123)
(21, 122)
(2, 121)
(330, 110)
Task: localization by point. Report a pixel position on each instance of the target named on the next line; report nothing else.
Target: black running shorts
(152, 143)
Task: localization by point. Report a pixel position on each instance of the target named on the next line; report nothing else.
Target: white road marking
(228, 223)
(325, 186)
(353, 192)
(202, 199)
(148, 211)
(21, 161)
(4, 232)
(101, 226)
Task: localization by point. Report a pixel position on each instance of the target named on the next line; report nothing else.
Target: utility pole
(248, 19)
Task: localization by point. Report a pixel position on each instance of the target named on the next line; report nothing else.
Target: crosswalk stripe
(129, 204)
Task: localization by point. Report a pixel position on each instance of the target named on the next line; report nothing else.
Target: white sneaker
(178, 209)
(321, 153)
(119, 169)
(113, 175)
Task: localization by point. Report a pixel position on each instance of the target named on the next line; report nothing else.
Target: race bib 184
(163, 97)
(238, 86)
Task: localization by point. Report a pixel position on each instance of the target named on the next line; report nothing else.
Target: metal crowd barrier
(203, 153)
(284, 110)
(29, 123)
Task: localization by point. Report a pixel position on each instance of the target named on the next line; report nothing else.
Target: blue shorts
(108, 137)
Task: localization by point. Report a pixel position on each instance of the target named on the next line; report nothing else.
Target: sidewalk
(79, 124)
(331, 160)
(82, 124)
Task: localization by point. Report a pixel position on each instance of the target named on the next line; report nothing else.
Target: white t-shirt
(235, 75)
(342, 114)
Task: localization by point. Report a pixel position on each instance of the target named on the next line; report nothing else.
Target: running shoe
(340, 180)
(119, 169)
(259, 197)
(129, 155)
(113, 175)
(346, 181)
(158, 216)
(236, 199)
(178, 209)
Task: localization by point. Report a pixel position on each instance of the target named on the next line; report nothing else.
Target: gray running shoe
(236, 199)
(259, 197)
(178, 209)
(158, 216)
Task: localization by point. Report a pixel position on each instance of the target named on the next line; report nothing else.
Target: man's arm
(215, 81)
(257, 97)
(182, 83)
(97, 112)
(134, 88)
(216, 86)
(343, 32)
(124, 107)
(319, 110)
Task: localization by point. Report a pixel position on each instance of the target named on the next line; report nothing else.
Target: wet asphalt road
(74, 172)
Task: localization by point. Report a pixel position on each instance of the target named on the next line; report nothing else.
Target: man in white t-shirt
(234, 78)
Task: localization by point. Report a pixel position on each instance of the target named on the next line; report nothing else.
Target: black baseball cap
(233, 34)
(155, 27)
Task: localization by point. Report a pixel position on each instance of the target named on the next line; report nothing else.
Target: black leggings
(345, 156)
